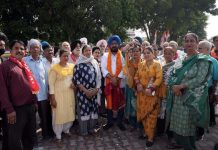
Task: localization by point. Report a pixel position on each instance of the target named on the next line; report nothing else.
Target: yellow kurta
(60, 79)
(148, 106)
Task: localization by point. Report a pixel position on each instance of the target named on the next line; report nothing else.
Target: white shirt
(48, 64)
(104, 70)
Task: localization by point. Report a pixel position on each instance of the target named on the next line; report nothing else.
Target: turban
(84, 40)
(114, 38)
(45, 45)
(33, 42)
(100, 42)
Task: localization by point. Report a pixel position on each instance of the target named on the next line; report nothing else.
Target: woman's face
(190, 43)
(64, 57)
(77, 50)
(168, 54)
(130, 53)
(148, 55)
(97, 54)
(136, 53)
(87, 52)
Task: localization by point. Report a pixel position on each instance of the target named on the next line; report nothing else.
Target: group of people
(156, 91)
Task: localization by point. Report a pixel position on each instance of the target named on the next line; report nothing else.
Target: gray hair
(173, 43)
(206, 44)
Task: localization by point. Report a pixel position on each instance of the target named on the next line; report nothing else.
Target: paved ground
(114, 139)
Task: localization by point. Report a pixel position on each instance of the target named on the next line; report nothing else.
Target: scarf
(74, 58)
(32, 81)
(198, 104)
(83, 59)
(114, 95)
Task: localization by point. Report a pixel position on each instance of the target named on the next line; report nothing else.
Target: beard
(114, 49)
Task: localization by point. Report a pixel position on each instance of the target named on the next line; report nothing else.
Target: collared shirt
(104, 70)
(48, 64)
(14, 86)
(39, 71)
(214, 72)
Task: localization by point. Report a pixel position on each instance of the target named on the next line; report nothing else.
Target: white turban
(84, 40)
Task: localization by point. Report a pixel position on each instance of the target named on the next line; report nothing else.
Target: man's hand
(177, 90)
(11, 117)
(114, 81)
(72, 86)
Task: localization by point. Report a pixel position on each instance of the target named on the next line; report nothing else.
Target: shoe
(149, 143)
(121, 127)
(107, 126)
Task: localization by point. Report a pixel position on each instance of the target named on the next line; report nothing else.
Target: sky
(211, 29)
(212, 25)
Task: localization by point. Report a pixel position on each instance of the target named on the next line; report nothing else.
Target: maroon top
(16, 91)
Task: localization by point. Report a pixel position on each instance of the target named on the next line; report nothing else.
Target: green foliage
(96, 19)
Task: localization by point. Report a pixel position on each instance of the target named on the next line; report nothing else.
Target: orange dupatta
(118, 70)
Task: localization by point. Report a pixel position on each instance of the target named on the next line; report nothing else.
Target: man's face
(49, 52)
(114, 46)
(215, 42)
(18, 51)
(202, 49)
(35, 50)
(66, 45)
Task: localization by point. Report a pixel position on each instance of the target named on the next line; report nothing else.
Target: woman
(131, 69)
(148, 78)
(187, 100)
(96, 53)
(75, 51)
(62, 95)
(87, 78)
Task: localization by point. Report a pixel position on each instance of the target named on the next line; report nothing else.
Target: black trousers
(22, 134)
(119, 118)
(44, 110)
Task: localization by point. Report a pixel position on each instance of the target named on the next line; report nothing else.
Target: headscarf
(114, 38)
(100, 42)
(33, 42)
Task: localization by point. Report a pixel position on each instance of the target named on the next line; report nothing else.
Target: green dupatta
(197, 100)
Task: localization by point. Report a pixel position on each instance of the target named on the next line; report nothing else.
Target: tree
(176, 16)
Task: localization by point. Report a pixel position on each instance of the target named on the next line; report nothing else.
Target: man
(48, 53)
(66, 45)
(204, 47)
(18, 101)
(214, 52)
(35, 63)
(112, 64)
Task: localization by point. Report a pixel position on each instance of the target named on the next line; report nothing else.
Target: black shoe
(149, 143)
(107, 126)
(121, 127)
